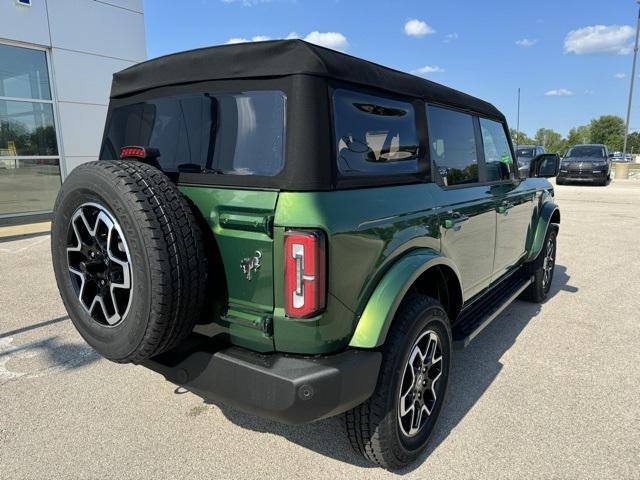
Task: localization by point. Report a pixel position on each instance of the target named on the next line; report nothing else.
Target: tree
(550, 140)
(609, 130)
(578, 135)
(633, 143)
(522, 138)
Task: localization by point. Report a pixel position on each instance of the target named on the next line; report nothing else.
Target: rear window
(226, 133)
(525, 152)
(374, 135)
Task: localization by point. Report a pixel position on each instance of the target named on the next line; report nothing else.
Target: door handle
(455, 220)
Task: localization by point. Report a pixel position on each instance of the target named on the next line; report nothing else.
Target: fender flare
(544, 220)
(375, 321)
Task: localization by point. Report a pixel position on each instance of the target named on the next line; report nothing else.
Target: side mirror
(545, 165)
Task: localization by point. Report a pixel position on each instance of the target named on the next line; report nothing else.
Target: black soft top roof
(279, 58)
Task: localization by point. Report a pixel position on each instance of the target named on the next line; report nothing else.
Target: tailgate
(242, 224)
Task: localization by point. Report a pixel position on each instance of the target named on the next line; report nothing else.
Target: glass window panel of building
(29, 161)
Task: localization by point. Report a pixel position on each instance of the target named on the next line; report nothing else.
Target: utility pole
(633, 75)
(518, 120)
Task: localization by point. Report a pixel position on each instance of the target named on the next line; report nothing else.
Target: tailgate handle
(246, 221)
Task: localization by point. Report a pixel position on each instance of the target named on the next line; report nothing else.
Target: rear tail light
(304, 273)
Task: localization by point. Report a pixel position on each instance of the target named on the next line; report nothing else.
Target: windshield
(525, 152)
(584, 151)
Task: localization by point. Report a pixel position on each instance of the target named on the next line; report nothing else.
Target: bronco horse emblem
(249, 265)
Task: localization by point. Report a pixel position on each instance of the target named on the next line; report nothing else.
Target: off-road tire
(538, 291)
(373, 427)
(168, 265)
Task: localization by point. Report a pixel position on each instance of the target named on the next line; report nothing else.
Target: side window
(497, 153)
(452, 143)
(374, 135)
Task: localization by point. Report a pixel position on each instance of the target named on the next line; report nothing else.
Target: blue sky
(571, 58)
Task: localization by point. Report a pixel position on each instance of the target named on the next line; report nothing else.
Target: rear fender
(375, 321)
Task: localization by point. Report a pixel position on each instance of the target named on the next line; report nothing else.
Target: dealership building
(56, 62)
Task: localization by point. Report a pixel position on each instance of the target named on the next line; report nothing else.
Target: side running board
(483, 311)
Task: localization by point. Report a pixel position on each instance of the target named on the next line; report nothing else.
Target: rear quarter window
(374, 135)
(239, 133)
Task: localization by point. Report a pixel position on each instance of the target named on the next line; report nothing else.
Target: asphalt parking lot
(549, 391)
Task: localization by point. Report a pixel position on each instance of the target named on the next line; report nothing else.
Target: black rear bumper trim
(288, 388)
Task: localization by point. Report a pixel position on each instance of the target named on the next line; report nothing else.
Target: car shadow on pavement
(473, 371)
(41, 357)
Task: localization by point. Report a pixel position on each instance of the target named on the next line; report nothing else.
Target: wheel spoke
(403, 404)
(415, 425)
(416, 354)
(423, 410)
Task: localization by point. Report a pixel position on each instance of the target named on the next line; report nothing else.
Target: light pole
(633, 75)
(518, 121)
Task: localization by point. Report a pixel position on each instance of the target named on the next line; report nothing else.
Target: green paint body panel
(377, 317)
(238, 220)
(367, 231)
(379, 240)
(542, 218)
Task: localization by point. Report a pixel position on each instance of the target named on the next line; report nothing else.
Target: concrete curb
(30, 229)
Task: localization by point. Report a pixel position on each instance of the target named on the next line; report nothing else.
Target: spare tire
(128, 259)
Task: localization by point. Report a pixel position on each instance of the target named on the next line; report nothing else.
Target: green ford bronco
(299, 233)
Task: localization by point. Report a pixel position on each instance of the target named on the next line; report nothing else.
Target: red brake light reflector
(137, 152)
(304, 273)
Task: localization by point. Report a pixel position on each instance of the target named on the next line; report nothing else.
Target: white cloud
(417, 28)
(620, 75)
(561, 92)
(527, 42)
(237, 40)
(428, 69)
(589, 92)
(333, 40)
(613, 39)
(257, 38)
(450, 37)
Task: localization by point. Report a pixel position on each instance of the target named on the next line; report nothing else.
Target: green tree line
(607, 129)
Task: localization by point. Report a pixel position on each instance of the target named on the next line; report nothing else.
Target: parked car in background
(590, 163)
(620, 157)
(617, 157)
(524, 155)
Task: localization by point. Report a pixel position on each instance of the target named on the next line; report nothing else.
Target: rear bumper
(287, 388)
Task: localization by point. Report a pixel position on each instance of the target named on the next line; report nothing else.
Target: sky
(571, 59)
